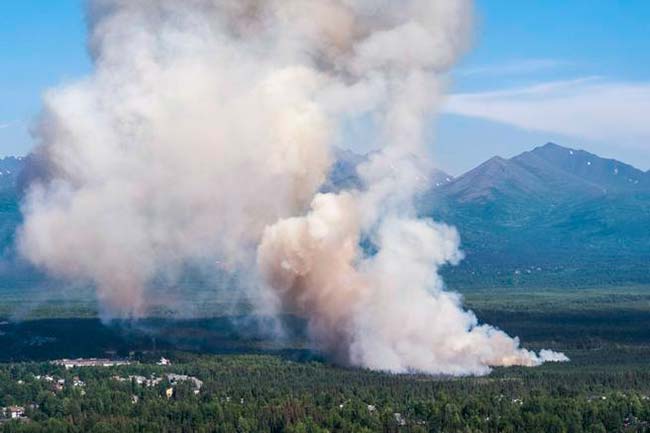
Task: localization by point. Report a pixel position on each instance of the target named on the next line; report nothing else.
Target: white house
(14, 412)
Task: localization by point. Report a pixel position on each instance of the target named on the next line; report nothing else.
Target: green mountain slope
(551, 216)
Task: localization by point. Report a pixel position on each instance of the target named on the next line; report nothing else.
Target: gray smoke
(205, 132)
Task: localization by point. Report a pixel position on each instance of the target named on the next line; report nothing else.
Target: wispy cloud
(4, 125)
(514, 67)
(591, 108)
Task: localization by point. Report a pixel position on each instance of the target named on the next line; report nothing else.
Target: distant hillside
(343, 174)
(553, 216)
(550, 216)
(10, 169)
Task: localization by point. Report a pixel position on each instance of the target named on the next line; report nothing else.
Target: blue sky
(42, 44)
(572, 71)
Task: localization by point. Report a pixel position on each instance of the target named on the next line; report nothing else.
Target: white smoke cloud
(546, 355)
(205, 133)
(388, 311)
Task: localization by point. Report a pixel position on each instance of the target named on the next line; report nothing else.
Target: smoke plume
(205, 132)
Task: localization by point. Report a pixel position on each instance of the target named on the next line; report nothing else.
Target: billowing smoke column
(205, 132)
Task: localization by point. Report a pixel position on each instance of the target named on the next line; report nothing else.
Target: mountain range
(550, 216)
(10, 170)
(553, 216)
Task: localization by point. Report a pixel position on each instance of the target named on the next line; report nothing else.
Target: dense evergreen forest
(252, 385)
(255, 393)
